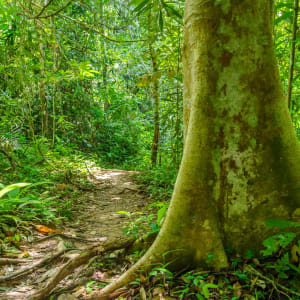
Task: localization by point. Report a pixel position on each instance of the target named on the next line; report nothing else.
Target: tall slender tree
(292, 55)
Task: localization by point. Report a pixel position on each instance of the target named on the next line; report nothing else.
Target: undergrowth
(272, 273)
(41, 190)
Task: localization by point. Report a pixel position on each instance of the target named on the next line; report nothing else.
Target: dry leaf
(237, 289)
(295, 254)
(46, 230)
(158, 290)
(143, 294)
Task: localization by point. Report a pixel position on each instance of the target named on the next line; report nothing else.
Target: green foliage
(20, 208)
(140, 225)
(281, 223)
(16, 208)
(277, 241)
(283, 39)
(283, 245)
(65, 80)
(159, 181)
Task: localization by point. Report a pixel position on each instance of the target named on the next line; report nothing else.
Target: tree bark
(241, 160)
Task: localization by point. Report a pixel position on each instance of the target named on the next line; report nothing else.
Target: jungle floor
(96, 221)
(82, 255)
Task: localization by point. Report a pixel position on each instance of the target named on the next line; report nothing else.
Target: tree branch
(43, 9)
(90, 28)
(58, 11)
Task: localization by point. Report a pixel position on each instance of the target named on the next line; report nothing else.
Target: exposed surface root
(77, 261)
(33, 267)
(64, 236)
(143, 265)
(12, 261)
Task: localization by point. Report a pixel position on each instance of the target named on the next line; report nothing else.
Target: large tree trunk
(241, 160)
(236, 120)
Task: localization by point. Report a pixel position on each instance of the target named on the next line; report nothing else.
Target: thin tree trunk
(177, 103)
(54, 55)
(155, 92)
(104, 67)
(44, 102)
(292, 56)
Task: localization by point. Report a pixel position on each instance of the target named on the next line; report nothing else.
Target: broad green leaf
(141, 5)
(273, 242)
(199, 297)
(169, 8)
(160, 214)
(11, 187)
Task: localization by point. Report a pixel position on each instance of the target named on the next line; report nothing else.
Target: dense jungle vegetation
(89, 86)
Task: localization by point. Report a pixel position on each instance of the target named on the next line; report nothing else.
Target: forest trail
(96, 220)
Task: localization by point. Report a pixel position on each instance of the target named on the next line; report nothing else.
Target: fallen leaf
(158, 290)
(46, 230)
(237, 289)
(295, 254)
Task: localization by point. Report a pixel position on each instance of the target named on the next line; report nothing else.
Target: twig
(43, 9)
(58, 11)
(276, 285)
(92, 29)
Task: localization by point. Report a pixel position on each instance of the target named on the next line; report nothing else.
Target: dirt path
(96, 220)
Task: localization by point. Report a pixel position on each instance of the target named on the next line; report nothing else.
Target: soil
(96, 219)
